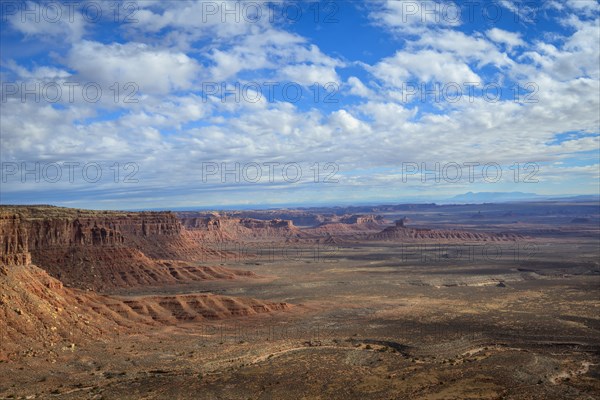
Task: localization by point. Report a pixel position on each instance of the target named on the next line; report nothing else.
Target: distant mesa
(224, 227)
(361, 219)
(403, 233)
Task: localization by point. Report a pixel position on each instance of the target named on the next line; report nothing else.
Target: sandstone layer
(101, 250)
(37, 313)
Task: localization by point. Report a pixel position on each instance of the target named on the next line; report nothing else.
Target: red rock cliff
(14, 248)
(100, 249)
(217, 228)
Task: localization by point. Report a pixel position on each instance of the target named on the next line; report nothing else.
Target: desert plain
(415, 301)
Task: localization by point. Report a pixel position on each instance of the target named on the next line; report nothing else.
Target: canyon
(405, 301)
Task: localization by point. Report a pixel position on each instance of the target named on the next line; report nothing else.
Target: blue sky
(147, 104)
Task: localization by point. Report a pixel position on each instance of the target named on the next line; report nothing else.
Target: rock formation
(102, 250)
(38, 314)
(401, 232)
(14, 244)
(217, 228)
(99, 250)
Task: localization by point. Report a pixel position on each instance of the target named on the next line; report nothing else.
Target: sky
(159, 104)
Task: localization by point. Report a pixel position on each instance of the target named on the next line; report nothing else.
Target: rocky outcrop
(38, 315)
(352, 227)
(216, 228)
(194, 307)
(102, 250)
(103, 229)
(267, 225)
(298, 217)
(362, 219)
(218, 222)
(401, 232)
(14, 247)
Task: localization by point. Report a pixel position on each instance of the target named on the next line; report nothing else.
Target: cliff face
(251, 223)
(216, 222)
(362, 219)
(157, 235)
(14, 249)
(216, 228)
(296, 217)
(99, 230)
(401, 232)
(101, 249)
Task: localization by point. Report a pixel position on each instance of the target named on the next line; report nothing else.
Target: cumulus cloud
(47, 22)
(174, 127)
(423, 66)
(358, 88)
(278, 51)
(509, 39)
(153, 70)
(415, 17)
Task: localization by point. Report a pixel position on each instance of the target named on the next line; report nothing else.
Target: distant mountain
(505, 197)
(494, 197)
(582, 197)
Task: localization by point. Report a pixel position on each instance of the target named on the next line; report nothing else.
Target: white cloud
(475, 48)
(425, 66)
(171, 130)
(215, 20)
(415, 17)
(527, 12)
(358, 88)
(307, 75)
(510, 39)
(275, 50)
(43, 73)
(153, 70)
(49, 21)
(586, 7)
(577, 57)
(346, 123)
